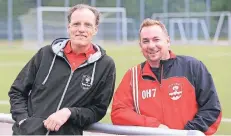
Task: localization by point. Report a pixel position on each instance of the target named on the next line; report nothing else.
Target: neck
(80, 48)
(156, 64)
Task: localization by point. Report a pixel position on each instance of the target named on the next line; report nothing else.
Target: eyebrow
(76, 22)
(145, 39)
(86, 23)
(155, 37)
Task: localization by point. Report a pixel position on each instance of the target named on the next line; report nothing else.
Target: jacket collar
(166, 64)
(58, 49)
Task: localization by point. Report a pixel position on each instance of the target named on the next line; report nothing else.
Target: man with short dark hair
(167, 90)
(66, 86)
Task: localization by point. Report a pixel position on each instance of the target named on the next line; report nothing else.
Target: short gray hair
(84, 6)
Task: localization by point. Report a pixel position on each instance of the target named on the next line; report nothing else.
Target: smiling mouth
(82, 36)
(153, 52)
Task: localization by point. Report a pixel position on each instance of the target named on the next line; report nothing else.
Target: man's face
(154, 43)
(82, 27)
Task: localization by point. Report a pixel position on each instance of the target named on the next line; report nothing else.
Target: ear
(168, 41)
(140, 43)
(95, 30)
(68, 28)
(141, 49)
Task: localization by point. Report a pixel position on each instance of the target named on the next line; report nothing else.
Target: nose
(81, 28)
(152, 44)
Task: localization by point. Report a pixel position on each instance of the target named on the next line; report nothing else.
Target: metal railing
(122, 130)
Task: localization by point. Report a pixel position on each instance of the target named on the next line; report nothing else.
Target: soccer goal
(42, 25)
(197, 27)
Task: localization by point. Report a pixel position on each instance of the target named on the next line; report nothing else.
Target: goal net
(197, 27)
(42, 25)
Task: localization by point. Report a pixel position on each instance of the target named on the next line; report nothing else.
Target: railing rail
(123, 130)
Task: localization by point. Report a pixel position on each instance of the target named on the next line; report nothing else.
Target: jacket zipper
(161, 76)
(65, 90)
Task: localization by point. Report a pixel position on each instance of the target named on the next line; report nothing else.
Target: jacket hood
(58, 46)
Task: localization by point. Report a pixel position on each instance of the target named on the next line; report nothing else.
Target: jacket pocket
(33, 126)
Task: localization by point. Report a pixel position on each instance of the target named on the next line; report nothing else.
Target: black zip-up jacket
(47, 84)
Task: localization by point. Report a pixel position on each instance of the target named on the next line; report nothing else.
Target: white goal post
(195, 22)
(34, 19)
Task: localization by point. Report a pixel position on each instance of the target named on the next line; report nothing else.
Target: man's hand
(163, 126)
(57, 119)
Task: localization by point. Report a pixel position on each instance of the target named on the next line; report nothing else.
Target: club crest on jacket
(86, 82)
(175, 91)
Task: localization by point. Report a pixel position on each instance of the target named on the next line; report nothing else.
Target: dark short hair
(84, 6)
(151, 22)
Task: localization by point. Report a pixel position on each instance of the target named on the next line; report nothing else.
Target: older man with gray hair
(65, 86)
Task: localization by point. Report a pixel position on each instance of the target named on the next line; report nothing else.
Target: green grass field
(216, 58)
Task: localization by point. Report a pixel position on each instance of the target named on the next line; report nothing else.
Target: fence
(123, 130)
(114, 29)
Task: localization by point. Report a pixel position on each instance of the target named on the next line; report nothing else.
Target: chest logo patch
(86, 82)
(175, 91)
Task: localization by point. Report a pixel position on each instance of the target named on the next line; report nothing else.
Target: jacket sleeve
(209, 114)
(21, 87)
(123, 110)
(84, 116)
